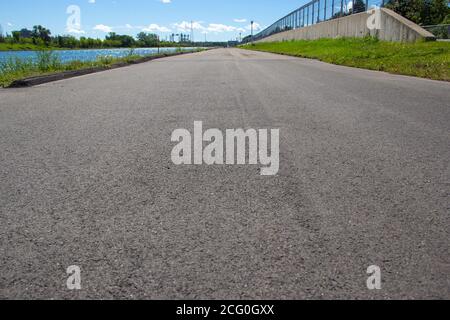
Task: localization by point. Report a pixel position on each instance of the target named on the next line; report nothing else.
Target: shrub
(16, 65)
(105, 60)
(47, 61)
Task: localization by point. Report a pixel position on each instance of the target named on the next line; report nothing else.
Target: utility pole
(240, 36)
(192, 31)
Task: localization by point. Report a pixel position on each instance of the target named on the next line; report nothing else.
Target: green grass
(422, 59)
(32, 47)
(23, 47)
(47, 62)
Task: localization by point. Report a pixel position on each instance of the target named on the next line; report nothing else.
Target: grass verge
(32, 47)
(47, 62)
(422, 59)
(24, 47)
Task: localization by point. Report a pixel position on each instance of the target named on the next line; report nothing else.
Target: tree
(423, 12)
(113, 40)
(148, 39)
(439, 9)
(16, 36)
(25, 33)
(446, 19)
(67, 42)
(360, 6)
(41, 33)
(111, 36)
(127, 41)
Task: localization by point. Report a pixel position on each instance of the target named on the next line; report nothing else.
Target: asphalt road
(86, 179)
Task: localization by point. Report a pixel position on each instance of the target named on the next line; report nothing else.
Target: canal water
(87, 55)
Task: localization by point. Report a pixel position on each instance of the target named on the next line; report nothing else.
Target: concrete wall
(393, 28)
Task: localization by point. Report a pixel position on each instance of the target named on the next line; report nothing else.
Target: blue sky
(218, 19)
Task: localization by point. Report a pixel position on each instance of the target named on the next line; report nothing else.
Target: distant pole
(252, 30)
(192, 31)
(159, 43)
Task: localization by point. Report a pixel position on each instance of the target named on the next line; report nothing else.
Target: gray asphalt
(87, 179)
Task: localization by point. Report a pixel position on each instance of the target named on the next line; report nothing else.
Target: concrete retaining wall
(394, 27)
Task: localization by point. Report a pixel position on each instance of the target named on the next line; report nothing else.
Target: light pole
(252, 29)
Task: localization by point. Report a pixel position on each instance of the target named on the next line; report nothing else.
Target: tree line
(421, 12)
(42, 36)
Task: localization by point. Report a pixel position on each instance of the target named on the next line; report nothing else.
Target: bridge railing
(314, 12)
(441, 31)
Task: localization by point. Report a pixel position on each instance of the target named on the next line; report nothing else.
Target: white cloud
(9, 24)
(240, 20)
(155, 28)
(166, 1)
(76, 31)
(185, 26)
(218, 27)
(91, 1)
(103, 28)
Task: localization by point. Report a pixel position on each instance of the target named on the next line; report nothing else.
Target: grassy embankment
(47, 62)
(24, 47)
(32, 47)
(422, 59)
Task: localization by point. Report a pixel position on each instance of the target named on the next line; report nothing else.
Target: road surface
(87, 180)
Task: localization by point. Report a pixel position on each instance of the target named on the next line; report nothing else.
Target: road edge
(34, 81)
(342, 65)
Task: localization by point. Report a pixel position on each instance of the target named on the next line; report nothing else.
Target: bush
(105, 60)
(75, 65)
(47, 61)
(446, 20)
(16, 65)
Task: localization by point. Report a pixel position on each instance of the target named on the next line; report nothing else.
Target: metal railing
(441, 31)
(317, 11)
